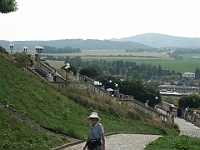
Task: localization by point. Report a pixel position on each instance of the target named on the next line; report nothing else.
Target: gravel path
(123, 142)
(187, 128)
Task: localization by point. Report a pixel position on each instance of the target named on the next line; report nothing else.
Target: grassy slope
(17, 135)
(47, 106)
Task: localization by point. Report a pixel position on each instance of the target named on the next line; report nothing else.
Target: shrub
(192, 100)
(3, 50)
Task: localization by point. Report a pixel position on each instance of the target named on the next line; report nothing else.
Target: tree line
(50, 49)
(176, 54)
(121, 67)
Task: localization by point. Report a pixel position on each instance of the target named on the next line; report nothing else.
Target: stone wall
(139, 106)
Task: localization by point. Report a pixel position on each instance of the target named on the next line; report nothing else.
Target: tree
(22, 59)
(91, 72)
(105, 81)
(67, 59)
(7, 6)
(192, 101)
(173, 72)
(141, 91)
(71, 68)
(197, 73)
(159, 70)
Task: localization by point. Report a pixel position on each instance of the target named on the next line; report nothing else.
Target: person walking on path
(49, 76)
(55, 75)
(96, 133)
(194, 116)
(186, 112)
(146, 105)
(173, 115)
(171, 107)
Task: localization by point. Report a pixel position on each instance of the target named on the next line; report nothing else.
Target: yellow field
(55, 64)
(103, 53)
(92, 53)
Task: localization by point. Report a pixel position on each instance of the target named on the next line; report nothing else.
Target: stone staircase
(39, 73)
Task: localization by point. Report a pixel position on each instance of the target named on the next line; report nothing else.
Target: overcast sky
(99, 19)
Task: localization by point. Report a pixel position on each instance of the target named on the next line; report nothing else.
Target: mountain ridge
(162, 40)
(141, 41)
(89, 44)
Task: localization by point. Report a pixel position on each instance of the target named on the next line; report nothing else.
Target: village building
(188, 75)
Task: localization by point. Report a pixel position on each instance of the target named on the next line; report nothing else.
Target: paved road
(123, 142)
(187, 128)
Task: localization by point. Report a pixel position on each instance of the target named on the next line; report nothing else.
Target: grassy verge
(175, 143)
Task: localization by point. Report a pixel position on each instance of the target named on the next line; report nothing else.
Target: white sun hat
(94, 115)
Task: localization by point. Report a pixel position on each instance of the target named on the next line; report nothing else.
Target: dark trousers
(54, 78)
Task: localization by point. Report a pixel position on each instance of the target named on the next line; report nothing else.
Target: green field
(172, 64)
(157, 58)
(187, 56)
(166, 64)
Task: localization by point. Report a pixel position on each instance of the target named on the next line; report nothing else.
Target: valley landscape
(134, 63)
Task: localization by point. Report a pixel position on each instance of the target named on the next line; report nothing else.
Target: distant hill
(162, 40)
(89, 44)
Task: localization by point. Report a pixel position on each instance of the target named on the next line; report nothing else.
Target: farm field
(102, 52)
(107, 53)
(187, 56)
(166, 64)
(156, 58)
(56, 64)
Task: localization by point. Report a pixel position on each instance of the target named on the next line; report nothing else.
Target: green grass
(175, 143)
(51, 107)
(182, 66)
(173, 64)
(15, 134)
